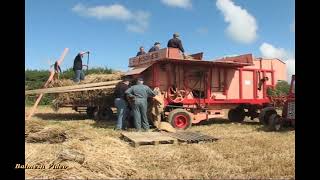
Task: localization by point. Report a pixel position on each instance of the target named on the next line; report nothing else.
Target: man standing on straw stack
(77, 67)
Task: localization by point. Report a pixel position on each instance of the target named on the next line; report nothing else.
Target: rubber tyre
(274, 123)
(265, 115)
(104, 114)
(180, 119)
(90, 112)
(236, 115)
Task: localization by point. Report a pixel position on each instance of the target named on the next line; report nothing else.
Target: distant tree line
(35, 79)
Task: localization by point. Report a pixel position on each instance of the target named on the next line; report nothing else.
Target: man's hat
(176, 34)
(82, 52)
(156, 43)
(140, 79)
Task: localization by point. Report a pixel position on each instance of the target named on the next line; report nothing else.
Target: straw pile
(47, 134)
(33, 126)
(91, 97)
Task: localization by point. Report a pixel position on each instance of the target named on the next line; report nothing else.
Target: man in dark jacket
(140, 93)
(156, 47)
(77, 66)
(121, 103)
(175, 42)
(141, 52)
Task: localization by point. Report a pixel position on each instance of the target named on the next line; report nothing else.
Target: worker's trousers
(122, 112)
(79, 75)
(139, 108)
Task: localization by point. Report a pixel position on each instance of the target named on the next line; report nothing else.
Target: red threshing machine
(194, 89)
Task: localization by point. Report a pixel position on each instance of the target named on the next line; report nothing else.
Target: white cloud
(242, 25)
(269, 51)
(141, 22)
(136, 21)
(178, 3)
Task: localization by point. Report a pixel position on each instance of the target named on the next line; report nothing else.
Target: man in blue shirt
(156, 47)
(77, 67)
(139, 93)
(141, 52)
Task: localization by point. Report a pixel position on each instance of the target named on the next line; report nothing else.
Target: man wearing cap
(175, 42)
(77, 66)
(139, 93)
(121, 103)
(156, 47)
(141, 51)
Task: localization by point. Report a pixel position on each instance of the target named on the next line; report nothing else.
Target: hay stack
(48, 134)
(92, 97)
(91, 78)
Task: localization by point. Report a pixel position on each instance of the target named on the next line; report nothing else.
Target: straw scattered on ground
(243, 151)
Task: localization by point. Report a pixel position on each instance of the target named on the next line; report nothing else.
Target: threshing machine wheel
(265, 114)
(180, 119)
(236, 115)
(274, 122)
(91, 111)
(105, 113)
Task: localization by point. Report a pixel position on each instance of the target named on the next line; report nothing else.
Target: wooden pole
(52, 72)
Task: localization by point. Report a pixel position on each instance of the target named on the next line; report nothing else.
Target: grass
(243, 151)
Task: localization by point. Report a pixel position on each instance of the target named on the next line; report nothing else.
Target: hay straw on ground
(33, 126)
(243, 152)
(70, 155)
(104, 157)
(48, 134)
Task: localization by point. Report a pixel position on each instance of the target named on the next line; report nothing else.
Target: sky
(113, 30)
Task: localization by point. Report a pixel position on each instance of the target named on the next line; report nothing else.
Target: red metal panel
(240, 83)
(209, 79)
(246, 58)
(266, 70)
(229, 101)
(174, 53)
(255, 88)
(154, 80)
(137, 70)
(225, 91)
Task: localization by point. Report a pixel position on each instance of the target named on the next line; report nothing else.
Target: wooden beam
(82, 89)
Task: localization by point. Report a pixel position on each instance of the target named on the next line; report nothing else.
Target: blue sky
(112, 30)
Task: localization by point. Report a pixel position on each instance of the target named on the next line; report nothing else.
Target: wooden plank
(82, 89)
(47, 90)
(191, 137)
(47, 83)
(147, 138)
